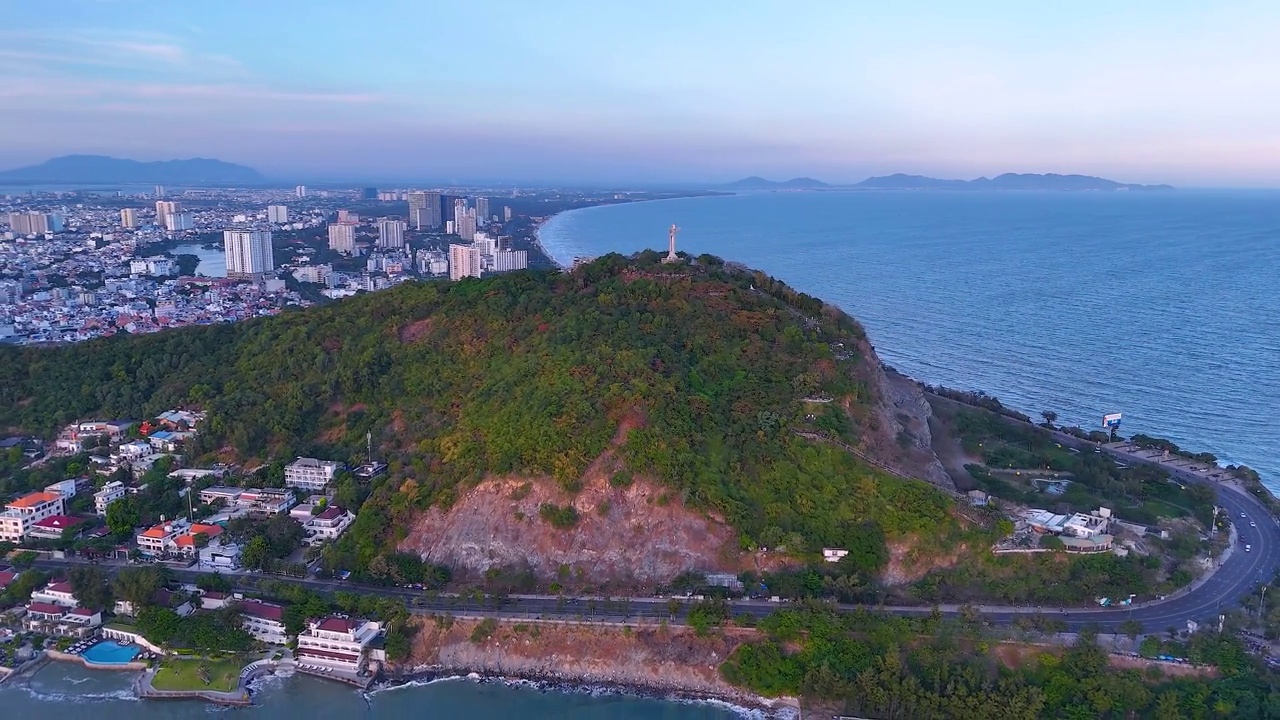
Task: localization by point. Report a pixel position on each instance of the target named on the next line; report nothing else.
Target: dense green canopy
(526, 373)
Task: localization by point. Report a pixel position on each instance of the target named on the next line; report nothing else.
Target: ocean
(1162, 306)
(63, 691)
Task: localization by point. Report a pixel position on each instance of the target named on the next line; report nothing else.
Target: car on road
(1253, 524)
(1248, 548)
(1242, 515)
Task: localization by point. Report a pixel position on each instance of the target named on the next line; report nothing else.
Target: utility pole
(1262, 608)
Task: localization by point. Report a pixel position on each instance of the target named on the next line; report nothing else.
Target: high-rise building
(300, 191)
(424, 210)
(448, 205)
(278, 214)
(348, 217)
(464, 261)
(159, 191)
(166, 207)
(342, 237)
(391, 233)
(369, 194)
(248, 253)
(54, 223)
(30, 223)
(482, 210)
(129, 218)
(176, 221)
(507, 260)
(506, 213)
(488, 244)
(465, 224)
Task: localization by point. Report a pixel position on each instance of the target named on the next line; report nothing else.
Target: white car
(1248, 548)
(1253, 524)
(1242, 515)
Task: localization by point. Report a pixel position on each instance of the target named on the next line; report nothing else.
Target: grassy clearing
(223, 675)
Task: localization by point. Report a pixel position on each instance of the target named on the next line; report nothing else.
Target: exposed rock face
(906, 411)
(640, 539)
(670, 659)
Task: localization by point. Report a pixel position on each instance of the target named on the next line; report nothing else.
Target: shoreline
(744, 704)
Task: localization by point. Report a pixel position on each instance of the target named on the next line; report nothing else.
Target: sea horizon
(927, 245)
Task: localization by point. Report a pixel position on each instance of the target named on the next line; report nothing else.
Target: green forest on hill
(522, 373)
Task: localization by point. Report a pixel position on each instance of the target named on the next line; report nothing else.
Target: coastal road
(1240, 572)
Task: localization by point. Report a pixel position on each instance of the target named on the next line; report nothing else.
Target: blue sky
(701, 90)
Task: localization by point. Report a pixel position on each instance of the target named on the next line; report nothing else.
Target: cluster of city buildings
(71, 271)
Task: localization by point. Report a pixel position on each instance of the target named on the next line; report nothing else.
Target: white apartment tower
(248, 253)
(464, 261)
(300, 191)
(391, 233)
(174, 222)
(278, 214)
(342, 237)
(129, 218)
(166, 207)
(507, 260)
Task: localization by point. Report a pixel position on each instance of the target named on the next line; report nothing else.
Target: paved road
(1238, 575)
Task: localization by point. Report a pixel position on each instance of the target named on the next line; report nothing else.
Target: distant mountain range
(102, 169)
(900, 181)
(1007, 181)
(759, 183)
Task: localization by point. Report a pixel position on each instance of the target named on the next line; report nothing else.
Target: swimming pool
(109, 652)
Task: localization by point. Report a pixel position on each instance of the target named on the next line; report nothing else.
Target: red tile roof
(83, 612)
(46, 608)
(336, 624)
(6, 578)
(266, 611)
(59, 522)
(60, 587)
(332, 512)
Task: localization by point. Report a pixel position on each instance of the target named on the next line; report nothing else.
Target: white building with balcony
(21, 514)
(310, 473)
(264, 621)
(338, 642)
(109, 493)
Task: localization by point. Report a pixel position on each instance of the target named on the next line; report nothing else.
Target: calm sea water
(1162, 306)
(61, 691)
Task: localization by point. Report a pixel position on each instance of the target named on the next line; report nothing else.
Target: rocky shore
(651, 661)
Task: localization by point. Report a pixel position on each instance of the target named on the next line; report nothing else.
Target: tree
(137, 585)
(90, 587)
(1132, 628)
(123, 517)
(255, 553)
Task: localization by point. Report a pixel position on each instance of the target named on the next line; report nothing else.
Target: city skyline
(1173, 92)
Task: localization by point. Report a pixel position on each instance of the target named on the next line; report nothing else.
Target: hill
(759, 183)
(102, 169)
(1007, 181)
(630, 420)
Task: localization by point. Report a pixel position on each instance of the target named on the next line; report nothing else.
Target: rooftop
(46, 608)
(59, 522)
(259, 609)
(34, 499)
(337, 624)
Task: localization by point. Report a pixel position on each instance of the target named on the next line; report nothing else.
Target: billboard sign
(1111, 420)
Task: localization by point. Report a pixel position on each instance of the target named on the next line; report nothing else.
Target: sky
(661, 91)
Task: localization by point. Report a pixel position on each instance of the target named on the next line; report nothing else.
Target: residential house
(159, 539)
(53, 527)
(66, 488)
(132, 451)
(220, 493)
(7, 576)
(21, 514)
(167, 441)
(212, 600)
(338, 642)
(264, 621)
(52, 619)
(160, 598)
(267, 501)
(327, 525)
(56, 593)
(109, 493)
(310, 473)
